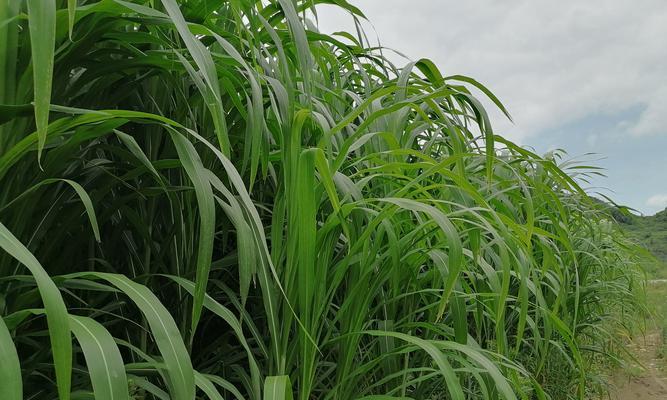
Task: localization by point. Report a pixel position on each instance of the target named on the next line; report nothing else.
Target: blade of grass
(103, 359)
(277, 388)
(42, 24)
(163, 328)
(197, 174)
(10, 368)
(56, 312)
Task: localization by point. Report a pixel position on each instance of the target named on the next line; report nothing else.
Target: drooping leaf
(56, 312)
(42, 24)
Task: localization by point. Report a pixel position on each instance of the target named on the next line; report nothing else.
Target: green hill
(651, 232)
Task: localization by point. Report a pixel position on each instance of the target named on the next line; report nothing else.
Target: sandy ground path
(649, 382)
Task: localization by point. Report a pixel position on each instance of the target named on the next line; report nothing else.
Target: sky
(589, 77)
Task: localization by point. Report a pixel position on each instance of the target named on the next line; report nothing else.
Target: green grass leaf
(56, 312)
(445, 367)
(163, 328)
(103, 359)
(42, 24)
(10, 368)
(198, 175)
(278, 388)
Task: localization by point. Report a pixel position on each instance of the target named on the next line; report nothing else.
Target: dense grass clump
(211, 199)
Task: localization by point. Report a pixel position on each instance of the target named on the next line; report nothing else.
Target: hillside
(651, 232)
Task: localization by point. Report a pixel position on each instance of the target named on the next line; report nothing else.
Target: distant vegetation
(651, 232)
(212, 199)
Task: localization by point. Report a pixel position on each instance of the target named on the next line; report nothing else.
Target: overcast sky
(586, 76)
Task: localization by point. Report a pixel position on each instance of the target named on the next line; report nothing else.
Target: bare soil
(647, 381)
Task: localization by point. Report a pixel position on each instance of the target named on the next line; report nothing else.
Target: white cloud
(592, 139)
(551, 63)
(658, 201)
(653, 120)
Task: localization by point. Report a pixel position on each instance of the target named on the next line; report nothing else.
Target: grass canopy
(213, 199)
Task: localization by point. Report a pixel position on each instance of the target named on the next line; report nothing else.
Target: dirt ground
(645, 382)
